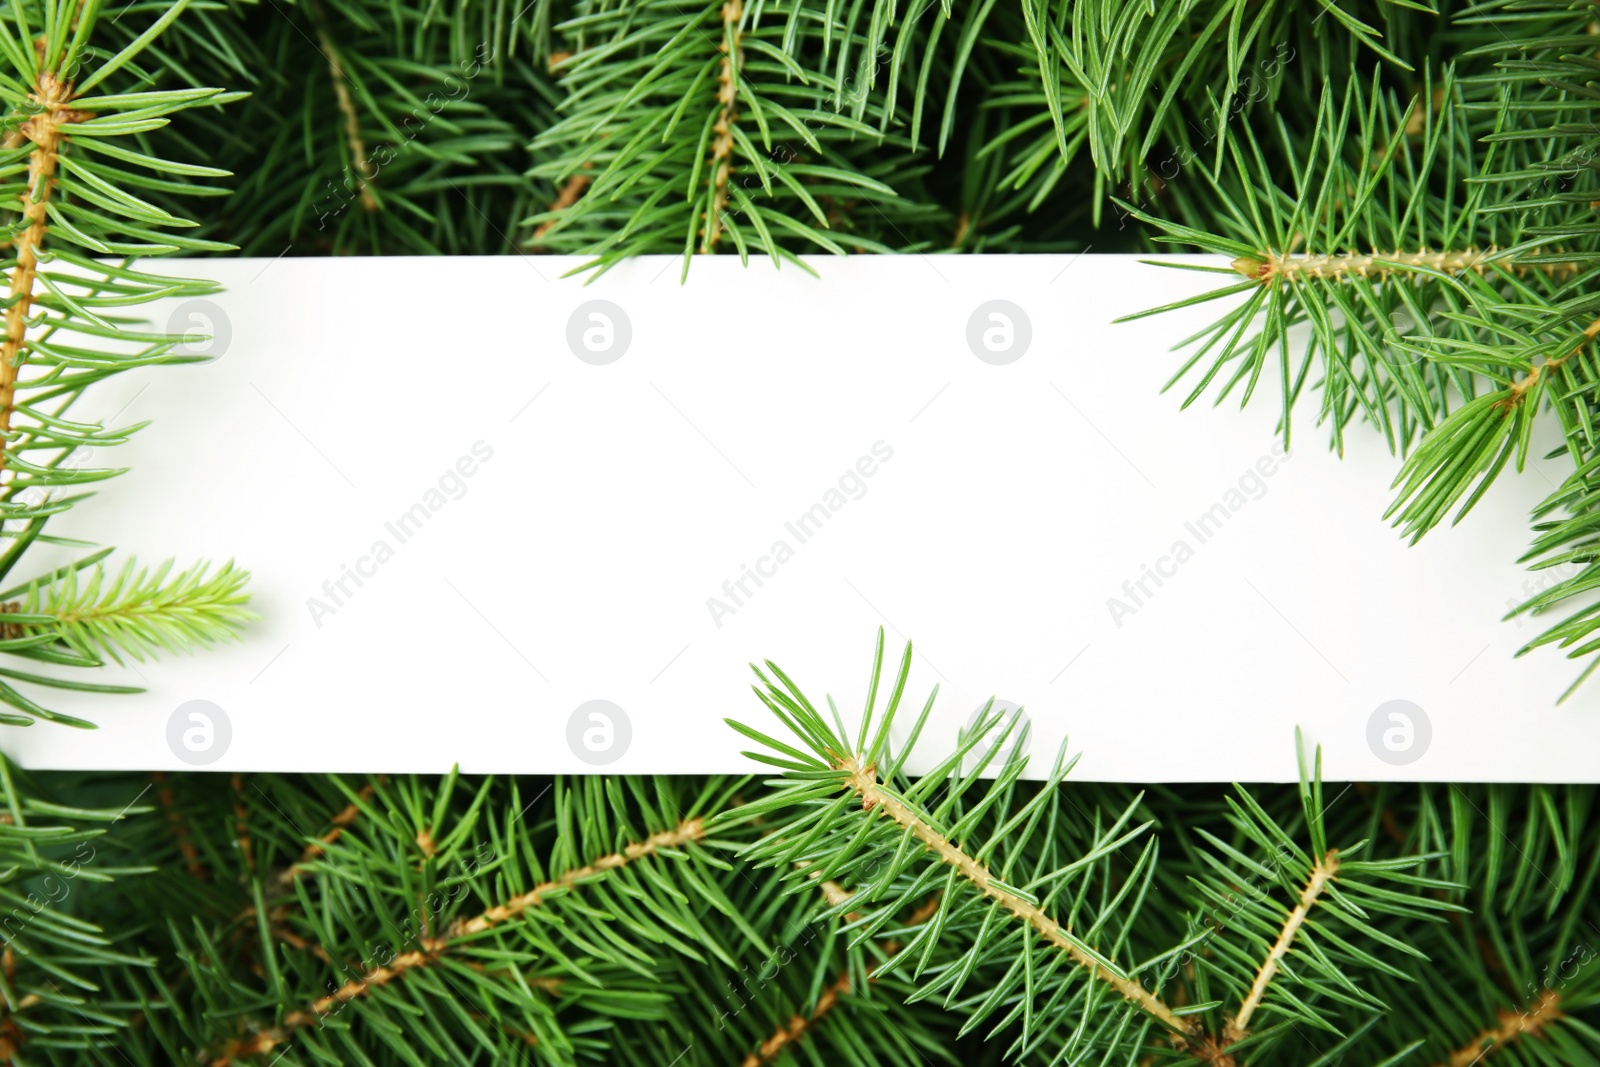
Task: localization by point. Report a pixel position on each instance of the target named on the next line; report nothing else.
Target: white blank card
(500, 519)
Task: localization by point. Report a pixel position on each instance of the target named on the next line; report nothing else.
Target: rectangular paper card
(502, 520)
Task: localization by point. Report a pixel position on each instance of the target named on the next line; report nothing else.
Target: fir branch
(50, 96)
(139, 612)
(1531, 377)
(1325, 871)
(283, 882)
(685, 832)
(1456, 343)
(1470, 447)
(863, 780)
(80, 217)
(732, 131)
(570, 192)
(720, 166)
(1271, 268)
(431, 949)
(1545, 1010)
(1029, 858)
(315, 850)
(359, 161)
(413, 141)
(798, 1027)
(179, 823)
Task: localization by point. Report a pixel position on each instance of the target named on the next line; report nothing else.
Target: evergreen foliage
(78, 170)
(840, 913)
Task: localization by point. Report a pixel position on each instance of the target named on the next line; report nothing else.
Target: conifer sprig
(778, 964)
(1038, 912)
(1422, 256)
(79, 216)
(136, 612)
(532, 930)
(741, 126)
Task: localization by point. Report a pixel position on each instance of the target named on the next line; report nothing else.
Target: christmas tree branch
(50, 96)
(1273, 268)
(137, 612)
(1270, 268)
(283, 882)
(1521, 386)
(721, 164)
(1512, 1027)
(863, 780)
(1324, 872)
(569, 194)
(685, 832)
(315, 850)
(364, 172)
(431, 949)
(799, 1026)
(181, 832)
(1072, 886)
(81, 220)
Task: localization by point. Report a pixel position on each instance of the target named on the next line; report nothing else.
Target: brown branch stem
(722, 146)
(1520, 387)
(50, 97)
(1544, 1011)
(1325, 870)
(431, 949)
(799, 1025)
(180, 827)
(864, 781)
(365, 172)
(315, 850)
(569, 194)
(1270, 267)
